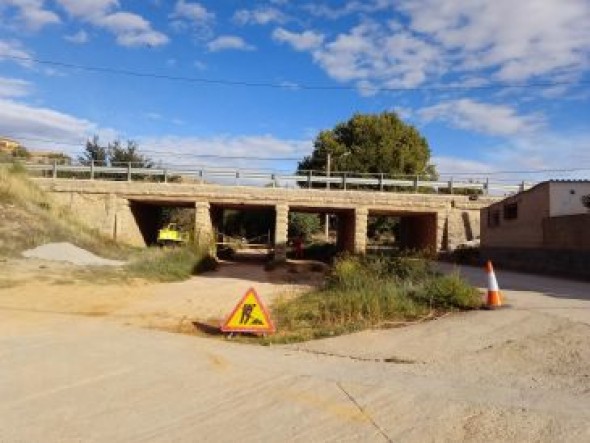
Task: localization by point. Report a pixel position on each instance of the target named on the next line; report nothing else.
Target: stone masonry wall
(103, 204)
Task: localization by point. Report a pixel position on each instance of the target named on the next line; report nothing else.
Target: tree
(114, 154)
(371, 143)
(303, 225)
(118, 154)
(94, 152)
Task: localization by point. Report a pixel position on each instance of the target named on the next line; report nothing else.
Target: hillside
(28, 218)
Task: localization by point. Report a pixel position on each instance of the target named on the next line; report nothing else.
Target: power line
(257, 158)
(242, 83)
(166, 152)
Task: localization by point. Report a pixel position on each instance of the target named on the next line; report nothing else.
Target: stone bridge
(128, 211)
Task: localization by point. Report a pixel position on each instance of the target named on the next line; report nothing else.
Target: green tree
(119, 154)
(94, 152)
(304, 225)
(114, 153)
(371, 143)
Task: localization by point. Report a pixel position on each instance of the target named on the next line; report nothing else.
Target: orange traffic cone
(494, 296)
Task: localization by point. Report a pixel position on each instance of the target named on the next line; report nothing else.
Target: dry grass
(29, 217)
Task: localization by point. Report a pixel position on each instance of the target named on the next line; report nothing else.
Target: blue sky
(443, 65)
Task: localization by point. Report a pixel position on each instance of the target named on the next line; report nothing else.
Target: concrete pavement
(516, 375)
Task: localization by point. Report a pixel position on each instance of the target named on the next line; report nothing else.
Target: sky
(494, 86)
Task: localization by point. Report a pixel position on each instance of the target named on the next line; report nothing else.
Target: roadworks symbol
(249, 315)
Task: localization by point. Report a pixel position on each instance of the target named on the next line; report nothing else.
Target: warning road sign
(249, 315)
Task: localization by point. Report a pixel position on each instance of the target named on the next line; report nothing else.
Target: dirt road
(520, 374)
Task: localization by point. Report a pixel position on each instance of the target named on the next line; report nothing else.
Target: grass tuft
(365, 292)
(170, 264)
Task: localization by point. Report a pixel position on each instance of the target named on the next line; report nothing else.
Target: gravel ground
(69, 253)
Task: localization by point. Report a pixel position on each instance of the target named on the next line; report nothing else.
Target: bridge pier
(352, 230)
(361, 218)
(281, 231)
(204, 227)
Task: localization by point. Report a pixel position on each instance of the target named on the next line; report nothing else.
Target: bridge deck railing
(310, 179)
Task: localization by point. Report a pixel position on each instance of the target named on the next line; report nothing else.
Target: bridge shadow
(523, 282)
(292, 272)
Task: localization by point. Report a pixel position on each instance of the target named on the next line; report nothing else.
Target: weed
(365, 292)
(449, 292)
(169, 264)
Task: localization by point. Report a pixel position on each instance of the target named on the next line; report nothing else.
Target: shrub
(449, 292)
(363, 292)
(169, 264)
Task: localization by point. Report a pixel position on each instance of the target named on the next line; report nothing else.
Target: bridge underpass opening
(243, 231)
(316, 245)
(151, 216)
(405, 231)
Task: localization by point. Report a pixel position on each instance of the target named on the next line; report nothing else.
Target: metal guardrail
(237, 177)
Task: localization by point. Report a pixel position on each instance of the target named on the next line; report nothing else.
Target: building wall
(559, 262)
(567, 198)
(570, 232)
(499, 229)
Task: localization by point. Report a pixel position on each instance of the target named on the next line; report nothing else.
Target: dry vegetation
(28, 218)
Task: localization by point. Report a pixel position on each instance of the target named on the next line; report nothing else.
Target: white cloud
(350, 7)
(303, 41)
(12, 48)
(129, 29)
(194, 17)
(518, 40)
(259, 16)
(452, 165)
(29, 123)
(431, 41)
(201, 66)
(79, 37)
(369, 56)
(185, 150)
(485, 118)
(229, 42)
(88, 10)
(13, 87)
(194, 12)
(32, 14)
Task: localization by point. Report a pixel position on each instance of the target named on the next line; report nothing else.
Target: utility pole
(327, 216)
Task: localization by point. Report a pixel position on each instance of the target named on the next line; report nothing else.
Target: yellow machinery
(171, 235)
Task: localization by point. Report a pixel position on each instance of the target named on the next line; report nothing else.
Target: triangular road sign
(249, 315)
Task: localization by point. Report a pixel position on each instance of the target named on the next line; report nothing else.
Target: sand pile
(70, 253)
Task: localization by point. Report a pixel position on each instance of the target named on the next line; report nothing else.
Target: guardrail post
(416, 184)
(344, 181)
(451, 186)
(91, 169)
(129, 171)
(381, 181)
(165, 175)
(309, 179)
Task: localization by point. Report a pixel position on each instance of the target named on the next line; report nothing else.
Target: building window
(511, 211)
(493, 218)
